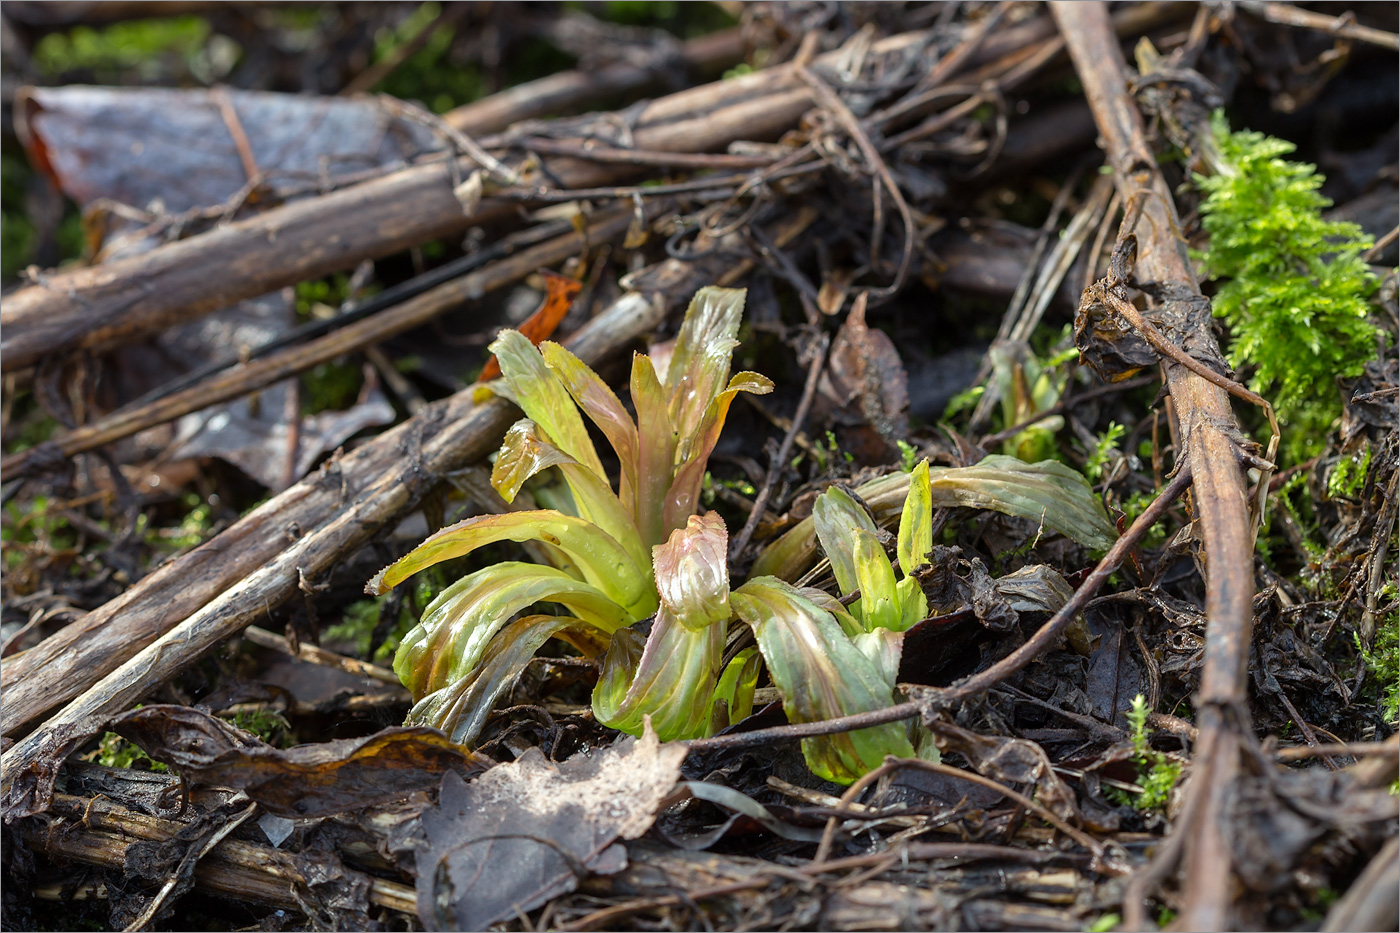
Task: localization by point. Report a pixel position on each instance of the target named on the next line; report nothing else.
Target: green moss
(330, 386)
(1103, 451)
(1157, 774)
(1382, 659)
(361, 618)
(268, 725)
(1295, 287)
(1349, 475)
(111, 54)
(113, 751)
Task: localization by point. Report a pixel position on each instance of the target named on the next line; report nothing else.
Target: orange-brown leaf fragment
(559, 297)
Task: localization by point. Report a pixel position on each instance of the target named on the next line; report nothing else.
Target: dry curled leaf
(304, 781)
(526, 831)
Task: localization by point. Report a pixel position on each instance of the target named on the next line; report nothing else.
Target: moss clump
(1296, 287)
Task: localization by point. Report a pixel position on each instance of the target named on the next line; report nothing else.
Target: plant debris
(1044, 580)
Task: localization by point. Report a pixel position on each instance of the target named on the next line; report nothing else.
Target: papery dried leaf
(692, 571)
(304, 781)
(460, 709)
(539, 393)
(526, 831)
(457, 626)
(700, 361)
(603, 562)
(527, 451)
(670, 679)
(867, 385)
(1036, 588)
(821, 675)
(598, 402)
(693, 453)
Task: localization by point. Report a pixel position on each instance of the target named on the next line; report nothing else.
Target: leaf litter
(551, 821)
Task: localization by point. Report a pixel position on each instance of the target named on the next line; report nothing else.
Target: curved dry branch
(1209, 438)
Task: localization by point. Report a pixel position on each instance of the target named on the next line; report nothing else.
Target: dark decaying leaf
(255, 436)
(866, 384)
(1009, 761)
(526, 831)
(178, 147)
(304, 781)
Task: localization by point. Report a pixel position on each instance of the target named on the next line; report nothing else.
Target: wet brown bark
(1219, 495)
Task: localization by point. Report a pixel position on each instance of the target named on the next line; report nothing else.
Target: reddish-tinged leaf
(600, 404)
(527, 451)
(700, 361)
(458, 626)
(692, 571)
(460, 708)
(684, 495)
(656, 451)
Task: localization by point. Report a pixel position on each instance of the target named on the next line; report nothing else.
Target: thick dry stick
(1013, 662)
(340, 522)
(382, 500)
(567, 90)
(99, 831)
(124, 301)
(1220, 495)
(369, 331)
(120, 302)
(69, 662)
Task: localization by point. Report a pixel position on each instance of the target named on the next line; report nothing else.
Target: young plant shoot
(620, 558)
(643, 581)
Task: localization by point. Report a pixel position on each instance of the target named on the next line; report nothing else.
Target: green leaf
(538, 392)
(526, 451)
(460, 709)
(684, 495)
(671, 678)
(837, 517)
(916, 523)
(656, 453)
(913, 604)
(603, 562)
(821, 675)
(733, 697)
(457, 626)
(884, 648)
(700, 361)
(598, 402)
(877, 607)
(692, 572)
(1045, 492)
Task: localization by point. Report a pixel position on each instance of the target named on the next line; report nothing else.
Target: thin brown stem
(775, 467)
